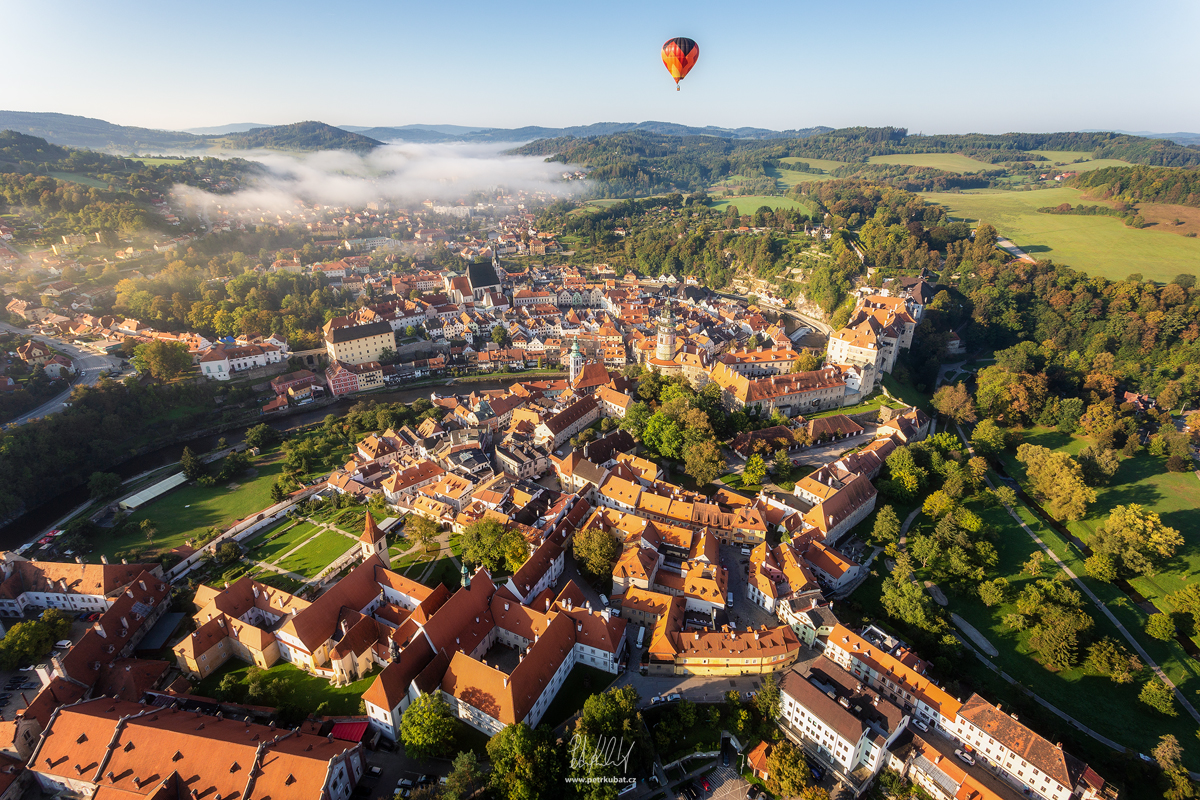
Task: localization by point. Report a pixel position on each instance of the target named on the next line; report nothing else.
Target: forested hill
(640, 162)
(18, 147)
(95, 134)
(1143, 184)
(305, 136)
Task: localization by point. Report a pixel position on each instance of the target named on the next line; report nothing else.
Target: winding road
(89, 365)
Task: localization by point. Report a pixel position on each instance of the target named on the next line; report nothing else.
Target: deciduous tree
(954, 401)
(1136, 539)
(755, 470)
(704, 461)
(596, 550)
(1056, 480)
(427, 727)
(526, 764)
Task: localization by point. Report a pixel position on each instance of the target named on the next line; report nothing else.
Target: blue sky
(931, 67)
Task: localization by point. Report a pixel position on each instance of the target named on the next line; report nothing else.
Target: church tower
(666, 337)
(575, 362)
(373, 542)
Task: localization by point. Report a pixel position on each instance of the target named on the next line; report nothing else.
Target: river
(35, 521)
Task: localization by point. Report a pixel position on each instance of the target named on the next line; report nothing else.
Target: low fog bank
(401, 173)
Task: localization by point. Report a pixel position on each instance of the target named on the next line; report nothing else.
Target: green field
(315, 556)
(192, 509)
(306, 691)
(1096, 245)
(748, 204)
(444, 571)
(949, 162)
(1143, 479)
(1123, 718)
(1068, 156)
(80, 179)
(269, 551)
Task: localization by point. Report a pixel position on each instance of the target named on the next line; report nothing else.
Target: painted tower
(373, 542)
(666, 337)
(575, 362)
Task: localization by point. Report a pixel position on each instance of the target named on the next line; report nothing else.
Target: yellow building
(359, 344)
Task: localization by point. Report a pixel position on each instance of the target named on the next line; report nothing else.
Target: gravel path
(978, 638)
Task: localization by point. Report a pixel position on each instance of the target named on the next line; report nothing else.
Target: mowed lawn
(318, 554)
(192, 509)
(269, 551)
(1143, 479)
(1100, 245)
(1122, 717)
(307, 691)
(748, 204)
(948, 162)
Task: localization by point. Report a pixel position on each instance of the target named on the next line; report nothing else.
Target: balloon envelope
(679, 56)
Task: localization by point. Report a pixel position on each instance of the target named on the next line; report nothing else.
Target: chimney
(143, 585)
(124, 560)
(78, 559)
(103, 559)
(99, 628)
(506, 681)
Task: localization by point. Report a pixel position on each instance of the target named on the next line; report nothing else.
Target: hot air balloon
(679, 56)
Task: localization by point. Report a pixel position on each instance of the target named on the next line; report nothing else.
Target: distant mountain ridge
(437, 134)
(1180, 137)
(221, 130)
(97, 134)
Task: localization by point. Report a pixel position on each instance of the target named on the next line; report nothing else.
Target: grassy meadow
(748, 204)
(192, 509)
(1143, 479)
(948, 162)
(1096, 245)
(1065, 158)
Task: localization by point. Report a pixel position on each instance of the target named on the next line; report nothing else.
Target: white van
(745, 551)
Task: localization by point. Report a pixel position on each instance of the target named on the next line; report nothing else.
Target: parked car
(705, 784)
(374, 772)
(965, 757)
(655, 701)
(674, 697)
(921, 725)
(724, 756)
(753, 792)
(817, 773)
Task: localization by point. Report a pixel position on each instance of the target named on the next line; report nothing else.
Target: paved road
(1095, 600)
(1008, 246)
(90, 366)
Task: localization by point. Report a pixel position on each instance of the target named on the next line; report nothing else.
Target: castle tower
(575, 362)
(666, 337)
(373, 542)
